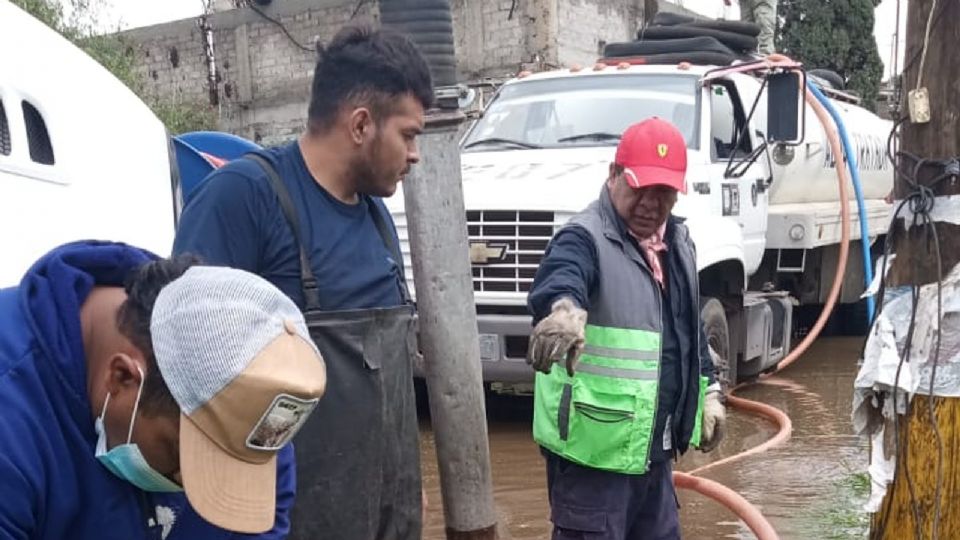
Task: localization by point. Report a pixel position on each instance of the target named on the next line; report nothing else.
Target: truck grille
(525, 235)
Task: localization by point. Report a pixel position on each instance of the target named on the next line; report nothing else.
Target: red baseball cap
(653, 152)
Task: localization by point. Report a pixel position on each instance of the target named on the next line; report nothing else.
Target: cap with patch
(653, 152)
(238, 359)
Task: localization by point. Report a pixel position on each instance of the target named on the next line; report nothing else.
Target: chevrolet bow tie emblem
(484, 253)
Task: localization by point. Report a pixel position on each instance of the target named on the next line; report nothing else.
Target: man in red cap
(616, 302)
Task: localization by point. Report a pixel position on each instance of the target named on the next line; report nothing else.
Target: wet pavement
(810, 488)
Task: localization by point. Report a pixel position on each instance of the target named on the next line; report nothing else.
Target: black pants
(591, 504)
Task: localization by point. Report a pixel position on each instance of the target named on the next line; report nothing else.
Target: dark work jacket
(571, 268)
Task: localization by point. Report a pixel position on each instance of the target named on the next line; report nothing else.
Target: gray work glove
(714, 420)
(558, 337)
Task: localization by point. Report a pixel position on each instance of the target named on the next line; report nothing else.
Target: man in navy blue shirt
(308, 217)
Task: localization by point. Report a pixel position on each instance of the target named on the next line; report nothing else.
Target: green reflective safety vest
(604, 416)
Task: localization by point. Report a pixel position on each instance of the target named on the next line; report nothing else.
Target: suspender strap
(307, 280)
(391, 247)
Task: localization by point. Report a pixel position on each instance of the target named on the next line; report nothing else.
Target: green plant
(118, 56)
(184, 117)
(839, 515)
(836, 35)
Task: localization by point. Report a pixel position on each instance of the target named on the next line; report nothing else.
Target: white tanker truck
(765, 217)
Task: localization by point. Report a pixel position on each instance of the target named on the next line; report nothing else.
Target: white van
(81, 156)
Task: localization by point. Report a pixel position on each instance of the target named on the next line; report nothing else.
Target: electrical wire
(916, 54)
(283, 28)
(921, 201)
(926, 43)
(896, 425)
(357, 8)
(930, 227)
(933, 377)
(891, 154)
(896, 44)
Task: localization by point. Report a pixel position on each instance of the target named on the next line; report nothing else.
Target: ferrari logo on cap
(662, 150)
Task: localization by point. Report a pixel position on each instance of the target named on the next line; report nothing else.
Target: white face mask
(125, 460)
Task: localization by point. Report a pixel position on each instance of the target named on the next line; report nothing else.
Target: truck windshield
(586, 110)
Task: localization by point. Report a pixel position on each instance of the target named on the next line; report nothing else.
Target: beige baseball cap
(238, 359)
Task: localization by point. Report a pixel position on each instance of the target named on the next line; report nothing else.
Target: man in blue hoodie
(114, 371)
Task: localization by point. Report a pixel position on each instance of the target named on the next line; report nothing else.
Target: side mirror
(783, 108)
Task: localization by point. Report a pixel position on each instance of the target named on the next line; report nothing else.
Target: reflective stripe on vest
(603, 416)
(621, 353)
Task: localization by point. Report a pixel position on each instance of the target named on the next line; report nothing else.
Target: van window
(4, 132)
(38, 138)
(726, 123)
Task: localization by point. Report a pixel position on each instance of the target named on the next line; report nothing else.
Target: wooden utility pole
(902, 515)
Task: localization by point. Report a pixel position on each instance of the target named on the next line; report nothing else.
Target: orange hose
(780, 418)
(831, 132)
(752, 406)
(732, 500)
(740, 506)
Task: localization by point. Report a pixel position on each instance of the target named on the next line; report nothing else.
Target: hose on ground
(731, 499)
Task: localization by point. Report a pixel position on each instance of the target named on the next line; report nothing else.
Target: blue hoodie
(51, 486)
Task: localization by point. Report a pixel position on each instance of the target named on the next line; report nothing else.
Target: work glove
(714, 419)
(558, 337)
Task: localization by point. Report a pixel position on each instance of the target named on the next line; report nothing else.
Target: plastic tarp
(886, 371)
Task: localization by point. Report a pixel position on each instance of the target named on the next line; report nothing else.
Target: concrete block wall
(263, 77)
(586, 25)
(173, 64)
(489, 36)
(263, 83)
(272, 107)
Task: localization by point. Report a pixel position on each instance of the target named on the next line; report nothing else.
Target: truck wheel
(718, 338)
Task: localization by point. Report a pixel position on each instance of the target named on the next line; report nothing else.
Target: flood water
(810, 488)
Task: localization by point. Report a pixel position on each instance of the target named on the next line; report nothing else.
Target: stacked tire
(825, 78)
(672, 38)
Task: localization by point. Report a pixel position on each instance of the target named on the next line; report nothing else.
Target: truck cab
(81, 156)
(540, 153)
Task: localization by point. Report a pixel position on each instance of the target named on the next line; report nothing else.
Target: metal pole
(437, 228)
(436, 222)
